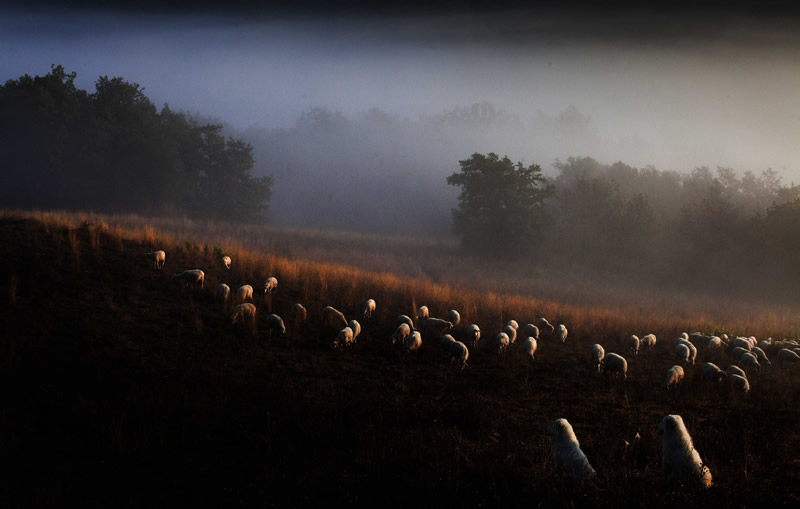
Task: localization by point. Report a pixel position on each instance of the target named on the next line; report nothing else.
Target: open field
(120, 387)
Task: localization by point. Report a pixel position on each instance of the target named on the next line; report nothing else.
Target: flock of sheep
(679, 456)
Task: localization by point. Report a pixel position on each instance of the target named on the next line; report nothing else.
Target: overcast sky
(687, 89)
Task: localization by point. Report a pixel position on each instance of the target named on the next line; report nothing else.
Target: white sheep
(567, 452)
(435, 327)
(739, 383)
(679, 457)
(786, 356)
(270, 285)
(226, 262)
(414, 342)
(422, 313)
(511, 332)
(244, 293)
(401, 333)
(501, 342)
(598, 353)
(191, 276)
(406, 320)
(749, 361)
(353, 324)
(761, 355)
(454, 317)
(615, 364)
(298, 314)
(344, 338)
(446, 341)
(530, 331)
(682, 353)
(714, 343)
(368, 308)
(513, 323)
(459, 353)
(474, 333)
(529, 347)
(333, 318)
(649, 341)
(685, 335)
(735, 370)
(674, 377)
(737, 352)
(712, 372)
(561, 333)
(692, 349)
(633, 344)
(741, 342)
(544, 326)
(223, 292)
(275, 323)
(243, 312)
(158, 258)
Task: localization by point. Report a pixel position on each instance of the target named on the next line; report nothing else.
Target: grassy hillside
(120, 387)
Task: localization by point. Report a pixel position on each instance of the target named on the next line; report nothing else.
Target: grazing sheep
(679, 457)
(786, 356)
(761, 355)
(502, 342)
(674, 377)
(511, 332)
(223, 292)
(684, 335)
(406, 320)
(298, 314)
(749, 361)
(529, 347)
(513, 323)
(459, 353)
(446, 341)
(435, 327)
(561, 333)
(414, 342)
(191, 276)
(244, 293)
(598, 353)
(714, 343)
(735, 370)
(158, 258)
(650, 342)
(530, 331)
(353, 324)
(567, 451)
(682, 353)
(422, 313)
(368, 308)
(275, 323)
(344, 338)
(454, 317)
(226, 262)
(739, 383)
(243, 312)
(741, 342)
(712, 372)
(615, 364)
(474, 333)
(737, 352)
(333, 318)
(633, 344)
(691, 347)
(544, 326)
(270, 285)
(401, 333)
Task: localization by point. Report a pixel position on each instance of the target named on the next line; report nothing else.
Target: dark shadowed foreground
(120, 388)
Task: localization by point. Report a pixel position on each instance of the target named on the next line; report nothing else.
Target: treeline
(112, 150)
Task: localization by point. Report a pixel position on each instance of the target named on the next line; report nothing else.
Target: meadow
(121, 387)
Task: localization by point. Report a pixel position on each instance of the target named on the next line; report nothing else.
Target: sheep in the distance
(454, 317)
(569, 457)
(786, 356)
(223, 292)
(191, 277)
(674, 377)
(682, 353)
(353, 324)
(679, 457)
(633, 344)
(333, 318)
(344, 338)
(435, 327)
(511, 332)
(649, 341)
(529, 347)
(544, 326)
(712, 372)
(739, 383)
(275, 323)
(226, 262)
(243, 312)
(368, 308)
(413, 342)
(406, 320)
(401, 333)
(598, 353)
(761, 355)
(614, 364)
(735, 370)
(692, 350)
(422, 313)
(530, 331)
(297, 314)
(561, 333)
(270, 285)
(474, 335)
(459, 353)
(737, 352)
(750, 362)
(244, 293)
(158, 258)
(513, 323)
(501, 342)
